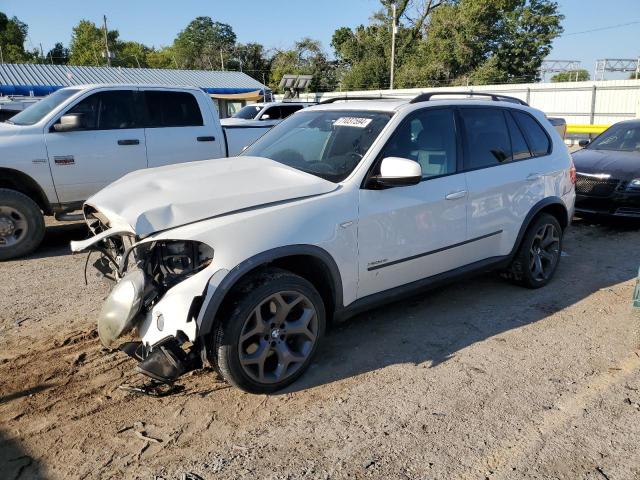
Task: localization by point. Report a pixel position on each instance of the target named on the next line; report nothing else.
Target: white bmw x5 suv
(242, 262)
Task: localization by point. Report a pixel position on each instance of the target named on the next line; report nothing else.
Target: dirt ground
(480, 379)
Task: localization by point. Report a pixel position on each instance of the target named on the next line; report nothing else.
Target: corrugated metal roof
(21, 79)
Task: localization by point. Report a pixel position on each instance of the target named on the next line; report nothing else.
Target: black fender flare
(213, 301)
(535, 210)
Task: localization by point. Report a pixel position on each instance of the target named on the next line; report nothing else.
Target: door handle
(532, 177)
(206, 139)
(456, 195)
(132, 141)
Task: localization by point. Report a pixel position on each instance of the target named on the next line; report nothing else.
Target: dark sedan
(608, 172)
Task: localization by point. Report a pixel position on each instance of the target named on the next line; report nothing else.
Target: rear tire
(539, 253)
(269, 332)
(21, 224)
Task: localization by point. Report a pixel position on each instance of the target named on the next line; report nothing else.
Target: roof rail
(425, 97)
(337, 99)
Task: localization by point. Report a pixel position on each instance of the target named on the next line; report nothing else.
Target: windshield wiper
(9, 121)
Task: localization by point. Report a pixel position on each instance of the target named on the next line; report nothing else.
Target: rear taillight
(572, 172)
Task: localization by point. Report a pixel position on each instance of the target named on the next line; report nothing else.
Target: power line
(602, 28)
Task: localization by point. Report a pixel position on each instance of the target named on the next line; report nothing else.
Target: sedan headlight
(634, 184)
(121, 307)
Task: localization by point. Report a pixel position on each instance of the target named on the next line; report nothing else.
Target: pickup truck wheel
(539, 253)
(272, 330)
(21, 224)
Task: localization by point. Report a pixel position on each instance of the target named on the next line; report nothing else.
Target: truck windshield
(36, 112)
(328, 144)
(248, 113)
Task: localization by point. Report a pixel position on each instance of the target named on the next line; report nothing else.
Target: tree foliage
(438, 42)
(450, 42)
(87, 44)
(58, 55)
(305, 58)
(204, 44)
(572, 76)
(13, 34)
(252, 59)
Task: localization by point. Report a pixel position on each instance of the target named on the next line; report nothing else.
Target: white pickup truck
(58, 152)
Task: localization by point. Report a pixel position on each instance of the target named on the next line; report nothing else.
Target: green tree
(572, 76)
(364, 53)
(13, 34)
(306, 58)
(131, 54)
(252, 59)
(483, 42)
(87, 44)
(450, 42)
(202, 44)
(58, 55)
(161, 58)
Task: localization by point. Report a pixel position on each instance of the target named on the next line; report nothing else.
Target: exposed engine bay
(143, 272)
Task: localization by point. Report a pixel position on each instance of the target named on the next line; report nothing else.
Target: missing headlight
(169, 262)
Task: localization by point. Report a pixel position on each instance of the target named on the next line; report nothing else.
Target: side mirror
(265, 117)
(398, 172)
(68, 123)
(584, 142)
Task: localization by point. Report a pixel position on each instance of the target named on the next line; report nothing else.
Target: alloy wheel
(278, 337)
(544, 252)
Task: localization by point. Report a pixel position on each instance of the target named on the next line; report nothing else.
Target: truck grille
(597, 187)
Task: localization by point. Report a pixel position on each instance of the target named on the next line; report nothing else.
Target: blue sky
(278, 23)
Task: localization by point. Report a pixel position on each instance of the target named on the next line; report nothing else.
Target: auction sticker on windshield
(357, 122)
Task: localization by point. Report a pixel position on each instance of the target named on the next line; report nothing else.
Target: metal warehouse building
(229, 90)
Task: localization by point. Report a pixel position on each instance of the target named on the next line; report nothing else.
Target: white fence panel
(614, 100)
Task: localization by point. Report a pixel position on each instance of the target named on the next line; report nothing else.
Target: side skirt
(425, 284)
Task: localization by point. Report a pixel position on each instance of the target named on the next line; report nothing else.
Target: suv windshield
(328, 144)
(248, 113)
(620, 137)
(36, 112)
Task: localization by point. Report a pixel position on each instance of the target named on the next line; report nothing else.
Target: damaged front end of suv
(153, 295)
(174, 238)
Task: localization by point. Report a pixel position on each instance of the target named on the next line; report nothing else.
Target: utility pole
(106, 41)
(221, 60)
(42, 54)
(1, 57)
(394, 30)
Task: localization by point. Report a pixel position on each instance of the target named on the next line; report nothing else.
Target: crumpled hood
(157, 199)
(620, 165)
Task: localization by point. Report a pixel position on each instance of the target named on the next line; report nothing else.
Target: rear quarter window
(537, 138)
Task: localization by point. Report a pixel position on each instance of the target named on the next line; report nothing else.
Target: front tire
(538, 255)
(21, 224)
(269, 332)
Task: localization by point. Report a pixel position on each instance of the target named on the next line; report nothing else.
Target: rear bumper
(623, 204)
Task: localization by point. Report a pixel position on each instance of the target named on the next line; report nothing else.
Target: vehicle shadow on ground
(56, 240)
(430, 328)
(15, 462)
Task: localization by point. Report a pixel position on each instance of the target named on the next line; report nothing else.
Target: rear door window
(487, 138)
(172, 109)
(536, 136)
